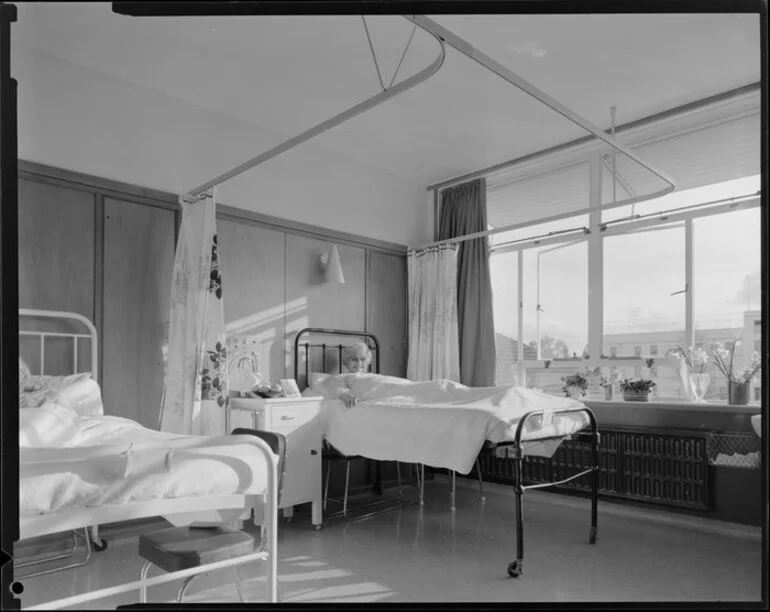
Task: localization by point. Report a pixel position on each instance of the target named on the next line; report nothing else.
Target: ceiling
(286, 74)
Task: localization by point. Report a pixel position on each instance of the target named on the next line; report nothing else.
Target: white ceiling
(288, 73)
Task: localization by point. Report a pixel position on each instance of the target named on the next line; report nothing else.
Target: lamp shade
(334, 267)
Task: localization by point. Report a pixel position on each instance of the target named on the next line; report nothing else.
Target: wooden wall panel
(386, 315)
(138, 263)
(311, 301)
(56, 266)
(254, 284)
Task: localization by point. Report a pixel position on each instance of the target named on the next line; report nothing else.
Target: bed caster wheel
(592, 537)
(318, 527)
(513, 569)
(100, 545)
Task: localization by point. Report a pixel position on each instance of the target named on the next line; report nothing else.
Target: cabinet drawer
(290, 416)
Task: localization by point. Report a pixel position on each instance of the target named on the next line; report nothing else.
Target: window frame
(597, 230)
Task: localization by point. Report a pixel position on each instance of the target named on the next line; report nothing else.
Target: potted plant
(575, 385)
(737, 384)
(636, 390)
(694, 359)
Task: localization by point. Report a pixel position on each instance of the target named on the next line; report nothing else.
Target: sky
(640, 272)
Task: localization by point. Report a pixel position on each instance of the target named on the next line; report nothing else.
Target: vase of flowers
(636, 390)
(737, 384)
(607, 383)
(695, 360)
(575, 385)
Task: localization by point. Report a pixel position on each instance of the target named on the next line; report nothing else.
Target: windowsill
(680, 405)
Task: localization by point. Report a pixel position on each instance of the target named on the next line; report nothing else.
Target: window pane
(727, 287)
(556, 279)
(641, 271)
(504, 275)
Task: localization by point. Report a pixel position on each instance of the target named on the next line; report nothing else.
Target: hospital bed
(103, 470)
(327, 357)
(515, 422)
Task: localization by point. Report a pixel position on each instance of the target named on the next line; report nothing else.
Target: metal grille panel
(657, 467)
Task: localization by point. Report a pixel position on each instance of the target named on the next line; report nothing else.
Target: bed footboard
(515, 568)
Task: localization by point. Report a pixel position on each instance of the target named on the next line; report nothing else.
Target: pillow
(24, 374)
(318, 379)
(78, 391)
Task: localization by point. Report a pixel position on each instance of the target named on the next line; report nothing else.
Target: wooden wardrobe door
(253, 283)
(56, 268)
(138, 263)
(386, 310)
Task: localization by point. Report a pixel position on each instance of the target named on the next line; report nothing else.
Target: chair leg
(326, 488)
(143, 578)
(239, 584)
(184, 587)
(481, 480)
(347, 482)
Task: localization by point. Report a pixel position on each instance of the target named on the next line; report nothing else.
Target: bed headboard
(48, 326)
(327, 356)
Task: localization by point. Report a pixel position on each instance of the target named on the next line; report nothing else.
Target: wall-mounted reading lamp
(330, 263)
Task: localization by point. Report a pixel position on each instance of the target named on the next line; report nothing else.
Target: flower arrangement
(642, 385)
(695, 358)
(578, 380)
(724, 359)
(608, 381)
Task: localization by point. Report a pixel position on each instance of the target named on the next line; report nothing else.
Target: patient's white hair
(359, 348)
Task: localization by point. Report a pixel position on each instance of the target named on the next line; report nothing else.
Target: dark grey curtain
(463, 211)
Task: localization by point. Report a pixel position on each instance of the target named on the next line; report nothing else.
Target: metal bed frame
(515, 568)
(373, 344)
(179, 511)
(99, 544)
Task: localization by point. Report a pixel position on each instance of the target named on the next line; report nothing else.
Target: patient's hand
(348, 398)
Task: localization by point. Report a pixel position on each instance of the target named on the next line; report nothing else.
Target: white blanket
(439, 423)
(70, 461)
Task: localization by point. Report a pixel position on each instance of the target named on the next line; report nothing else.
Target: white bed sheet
(68, 461)
(443, 424)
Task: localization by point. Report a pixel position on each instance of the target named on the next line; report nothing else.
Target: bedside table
(299, 419)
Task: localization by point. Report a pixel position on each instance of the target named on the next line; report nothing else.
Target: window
(757, 394)
(653, 349)
(556, 299)
(726, 278)
(613, 351)
(641, 271)
(503, 270)
(637, 351)
(757, 328)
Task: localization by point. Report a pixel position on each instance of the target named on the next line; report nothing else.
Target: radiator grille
(656, 467)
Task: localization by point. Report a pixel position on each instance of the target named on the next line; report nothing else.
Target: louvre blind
(703, 147)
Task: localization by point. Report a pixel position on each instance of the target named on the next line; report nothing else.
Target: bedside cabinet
(299, 419)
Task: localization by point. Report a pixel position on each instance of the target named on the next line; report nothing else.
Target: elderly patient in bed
(356, 384)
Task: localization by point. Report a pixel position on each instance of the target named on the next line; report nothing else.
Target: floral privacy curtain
(197, 354)
(433, 345)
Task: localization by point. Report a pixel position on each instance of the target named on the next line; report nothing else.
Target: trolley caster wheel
(318, 527)
(100, 545)
(592, 537)
(513, 569)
